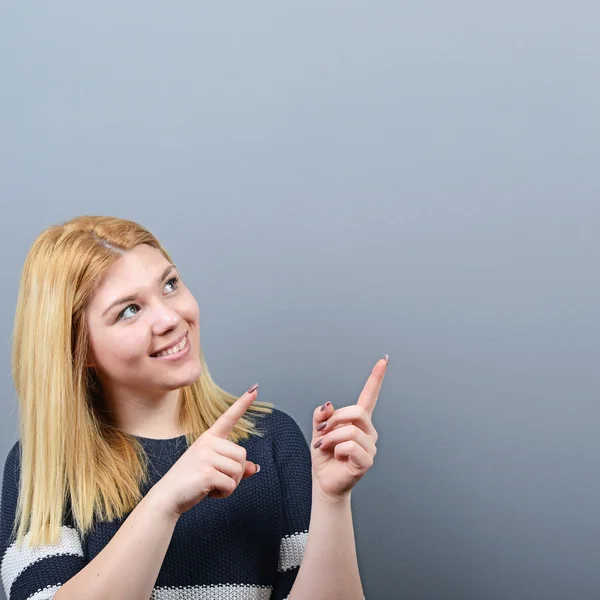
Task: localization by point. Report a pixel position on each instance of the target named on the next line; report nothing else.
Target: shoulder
(279, 425)
(288, 442)
(10, 493)
(12, 464)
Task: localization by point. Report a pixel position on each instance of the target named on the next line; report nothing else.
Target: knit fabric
(245, 547)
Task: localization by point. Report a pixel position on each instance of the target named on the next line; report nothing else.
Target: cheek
(190, 312)
(189, 309)
(124, 346)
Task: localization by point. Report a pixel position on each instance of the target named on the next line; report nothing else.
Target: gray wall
(338, 180)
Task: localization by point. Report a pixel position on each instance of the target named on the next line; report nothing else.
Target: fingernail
(387, 359)
(322, 426)
(257, 469)
(323, 407)
(318, 444)
(252, 388)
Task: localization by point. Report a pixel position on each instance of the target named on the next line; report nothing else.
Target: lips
(169, 346)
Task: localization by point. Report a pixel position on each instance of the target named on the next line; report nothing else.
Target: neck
(144, 415)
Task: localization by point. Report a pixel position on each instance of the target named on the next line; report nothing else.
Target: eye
(173, 282)
(131, 307)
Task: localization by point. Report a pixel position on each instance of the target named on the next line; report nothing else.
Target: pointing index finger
(224, 425)
(370, 394)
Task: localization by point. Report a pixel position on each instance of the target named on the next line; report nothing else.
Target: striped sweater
(245, 547)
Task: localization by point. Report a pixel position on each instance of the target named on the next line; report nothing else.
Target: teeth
(174, 349)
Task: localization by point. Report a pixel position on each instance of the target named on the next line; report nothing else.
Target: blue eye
(174, 281)
(134, 308)
(123, 312)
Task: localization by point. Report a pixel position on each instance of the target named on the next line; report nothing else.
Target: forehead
(135, 269)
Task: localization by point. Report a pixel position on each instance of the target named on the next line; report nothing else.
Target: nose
(164, 319)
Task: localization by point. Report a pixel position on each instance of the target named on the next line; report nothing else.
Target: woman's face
(144, 326)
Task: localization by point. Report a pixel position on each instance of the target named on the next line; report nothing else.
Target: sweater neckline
(158, 440)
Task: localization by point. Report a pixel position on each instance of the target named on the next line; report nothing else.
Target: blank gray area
(338, 180)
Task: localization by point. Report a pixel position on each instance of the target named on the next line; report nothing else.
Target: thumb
(250, 469)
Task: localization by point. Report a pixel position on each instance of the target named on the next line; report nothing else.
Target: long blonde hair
(69, 452)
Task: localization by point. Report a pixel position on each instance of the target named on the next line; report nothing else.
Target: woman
(136, 476)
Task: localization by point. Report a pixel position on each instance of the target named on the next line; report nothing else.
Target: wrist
(334, 500)
(160, 505)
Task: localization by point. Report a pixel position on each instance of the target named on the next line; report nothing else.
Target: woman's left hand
(347, 442)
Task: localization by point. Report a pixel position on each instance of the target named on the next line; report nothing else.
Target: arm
(127, 568)
(343, 450)
(317, 556)
(329, 568)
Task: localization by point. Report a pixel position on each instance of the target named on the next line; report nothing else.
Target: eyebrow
(159, 280)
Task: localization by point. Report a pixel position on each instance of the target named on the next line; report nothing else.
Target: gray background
(338, 180)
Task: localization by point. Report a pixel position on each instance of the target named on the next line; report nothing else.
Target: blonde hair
(69, 452)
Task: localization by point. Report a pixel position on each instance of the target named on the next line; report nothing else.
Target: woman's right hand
(212, 466)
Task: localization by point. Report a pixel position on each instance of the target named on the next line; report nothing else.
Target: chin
(192, 376)
(175, 384)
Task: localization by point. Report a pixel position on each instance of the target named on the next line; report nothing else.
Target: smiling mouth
(176, 349)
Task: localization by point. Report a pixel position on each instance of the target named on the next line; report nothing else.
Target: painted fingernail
(387, 359)
(318, 444)
(323, 407)
(252, 388)
(257, 469)
(322, 426)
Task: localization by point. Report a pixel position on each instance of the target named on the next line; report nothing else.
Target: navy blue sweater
(245, 547)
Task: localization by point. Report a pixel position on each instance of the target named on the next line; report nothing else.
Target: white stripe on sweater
(291, 551)
(16, 560)
(213, 592)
